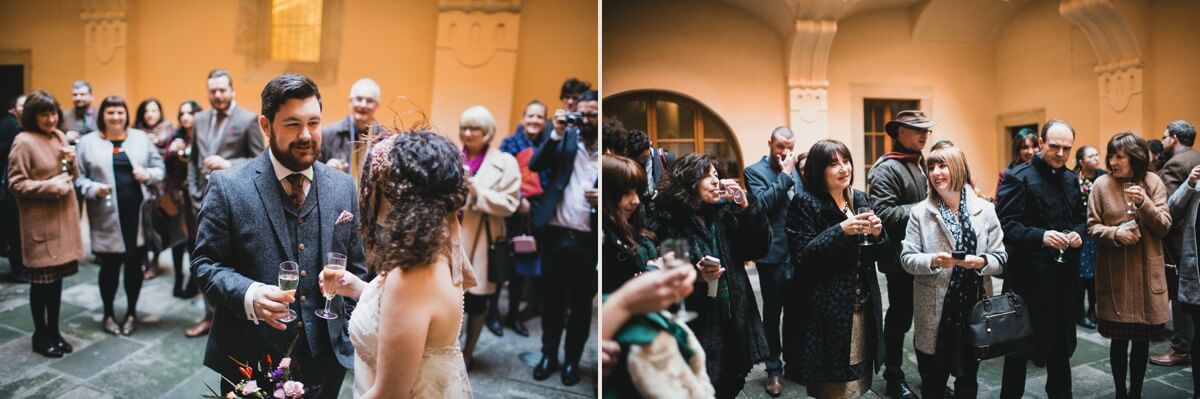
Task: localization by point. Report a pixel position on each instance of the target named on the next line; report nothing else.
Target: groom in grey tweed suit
(280, 206)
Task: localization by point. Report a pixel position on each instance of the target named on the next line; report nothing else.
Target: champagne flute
(866, 237)
(1062, 251)
(334, 267)
(1129, 208)
(675, 254)
(289, 280)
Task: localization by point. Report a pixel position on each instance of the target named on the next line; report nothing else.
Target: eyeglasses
(466, 128)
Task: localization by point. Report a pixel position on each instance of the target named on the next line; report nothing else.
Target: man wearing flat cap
(895, 183)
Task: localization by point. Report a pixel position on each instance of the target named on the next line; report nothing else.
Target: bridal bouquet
(276, 380)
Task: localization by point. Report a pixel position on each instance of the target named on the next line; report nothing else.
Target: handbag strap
(486, 222)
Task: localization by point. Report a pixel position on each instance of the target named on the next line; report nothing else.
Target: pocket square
(344, 218)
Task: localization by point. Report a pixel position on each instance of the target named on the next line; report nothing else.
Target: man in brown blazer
(226, 135)
(1178, 138)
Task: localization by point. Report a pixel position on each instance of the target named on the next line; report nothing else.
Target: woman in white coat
(495, 184)
(117, 165)
(953, 243)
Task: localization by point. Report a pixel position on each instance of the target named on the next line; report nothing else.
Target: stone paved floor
(1091, 371)
(159, 362)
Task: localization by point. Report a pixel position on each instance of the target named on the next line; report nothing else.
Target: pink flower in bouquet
(285, 362)
(251, 387)
(279, 394)
(293, 389)
(230, 395)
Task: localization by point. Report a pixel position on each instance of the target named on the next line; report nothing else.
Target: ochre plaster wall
(711, 52)
(173, 45)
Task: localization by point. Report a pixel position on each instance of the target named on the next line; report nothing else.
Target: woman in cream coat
(946, 288)
(495, 186)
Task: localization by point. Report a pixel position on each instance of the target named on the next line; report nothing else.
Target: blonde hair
(478, 116)
(955, 160)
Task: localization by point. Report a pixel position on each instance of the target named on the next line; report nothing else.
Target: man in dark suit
(1042, 213)
(254, 217)
(566, 217)
(226, 135)
(1178, 138)
(774, 180)
(344, 142)
(10, 234)
(81, 118)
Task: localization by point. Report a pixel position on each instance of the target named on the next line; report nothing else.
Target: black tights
(45, 301)
(516, 291)
(110, 275)
(1137, 359)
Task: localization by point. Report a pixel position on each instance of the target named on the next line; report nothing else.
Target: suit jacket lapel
(327, 213)
(268, 191)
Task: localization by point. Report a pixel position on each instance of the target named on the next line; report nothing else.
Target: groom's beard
(289, 158)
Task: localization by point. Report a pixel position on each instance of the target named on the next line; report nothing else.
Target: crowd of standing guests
(1099, 245)
(141, 179)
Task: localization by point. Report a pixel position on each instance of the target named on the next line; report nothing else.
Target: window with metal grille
(876, 114)
(296, 30)
(678, 124)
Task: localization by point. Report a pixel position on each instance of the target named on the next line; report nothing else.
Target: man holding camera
(566, 218)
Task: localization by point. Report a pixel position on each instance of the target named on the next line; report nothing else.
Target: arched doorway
(679, 124)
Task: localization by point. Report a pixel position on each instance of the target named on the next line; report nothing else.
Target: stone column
(475, 61)
(1112, 30)
(808, 87)
(105, 49)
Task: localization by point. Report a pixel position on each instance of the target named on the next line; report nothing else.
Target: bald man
(774, 180)
(343, 141)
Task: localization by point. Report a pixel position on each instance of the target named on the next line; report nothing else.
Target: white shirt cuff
(248, 302)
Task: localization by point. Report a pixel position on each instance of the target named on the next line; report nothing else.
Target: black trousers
(1058, 378)
(772, 279)
(568, 289)
(1181, 321)
(934, 376)
(897, 323)
(1194, 312)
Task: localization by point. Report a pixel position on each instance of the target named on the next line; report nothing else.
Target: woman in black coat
(833, 340)
(719, 219)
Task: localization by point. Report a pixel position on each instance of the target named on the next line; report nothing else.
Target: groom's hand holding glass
(271, 304)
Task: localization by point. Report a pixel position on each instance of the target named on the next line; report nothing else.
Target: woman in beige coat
(952, 221)
(41, 169)
(1131, 289)
(495, 186)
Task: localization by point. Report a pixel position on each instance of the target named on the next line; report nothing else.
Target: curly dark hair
(420, 175)
(636, 142)
(613, 136)
(677, 189)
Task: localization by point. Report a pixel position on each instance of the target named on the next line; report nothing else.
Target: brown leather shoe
(198, 329)
(775, 386)
(1171, 358)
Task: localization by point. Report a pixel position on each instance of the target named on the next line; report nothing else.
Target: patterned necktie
(296, 181)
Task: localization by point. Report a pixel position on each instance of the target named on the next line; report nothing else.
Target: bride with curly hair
(412, 186)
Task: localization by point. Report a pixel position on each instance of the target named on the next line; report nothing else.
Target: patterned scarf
(966, 288)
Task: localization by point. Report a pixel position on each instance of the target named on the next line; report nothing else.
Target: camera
(572, 118)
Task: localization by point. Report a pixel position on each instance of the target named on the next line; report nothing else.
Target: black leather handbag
(999, 326)
(499, 256)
